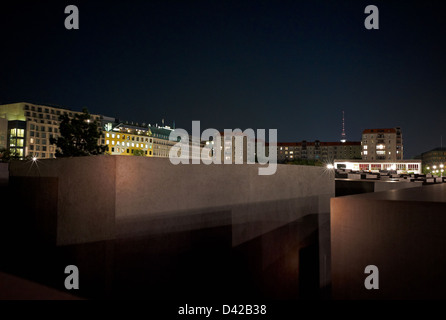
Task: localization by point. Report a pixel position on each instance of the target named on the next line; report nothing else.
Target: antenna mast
(343, 136)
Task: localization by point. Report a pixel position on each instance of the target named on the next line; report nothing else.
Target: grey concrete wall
(4, 174)
(346, 187)
(271, 219)
(106, 197)
(154, 187)
(86, 195)
(395, 185)
(399, 231)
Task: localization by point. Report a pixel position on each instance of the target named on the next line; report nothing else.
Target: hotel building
(382, 144)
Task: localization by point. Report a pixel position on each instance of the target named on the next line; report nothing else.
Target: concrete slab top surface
(432, 193)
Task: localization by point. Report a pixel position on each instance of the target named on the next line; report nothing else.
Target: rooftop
(389, 130)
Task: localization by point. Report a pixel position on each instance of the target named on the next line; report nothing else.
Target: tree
(5, 155)
(138, 152)
(79, 136)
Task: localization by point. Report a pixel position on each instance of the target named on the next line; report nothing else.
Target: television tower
(343, 135)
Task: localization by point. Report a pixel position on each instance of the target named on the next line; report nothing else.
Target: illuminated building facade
(28, 128)
(401, 166)
(382, 144)
(128, 139)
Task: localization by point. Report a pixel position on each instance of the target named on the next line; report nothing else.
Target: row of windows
(52, 111)
(118, 143)
(123, 137)
(40, 148)
(378, 136)
(43, 155)
(43, 128)
(41, 135)
(17, 133)
(43, 121)
(41, 116)
(124, 150)
(312, 148)
(38, 141)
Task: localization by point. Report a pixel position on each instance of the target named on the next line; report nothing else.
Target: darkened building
(434, 157)
(318, 150)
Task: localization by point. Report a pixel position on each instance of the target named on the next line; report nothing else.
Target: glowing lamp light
(441, 166)
(34, 159)
(435, 167)
(330, 166)
(428, 168)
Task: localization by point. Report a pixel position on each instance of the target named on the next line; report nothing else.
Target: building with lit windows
(434, 160)
(126, 139)
(26, 128)
(144, 140)
(318, 150)
(3, 133)
(382, 144)
(401, 166)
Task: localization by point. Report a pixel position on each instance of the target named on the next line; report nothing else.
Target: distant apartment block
(434, 157)
(318, 150)
(382, 144)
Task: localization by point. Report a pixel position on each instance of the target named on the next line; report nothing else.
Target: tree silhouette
(79, 136)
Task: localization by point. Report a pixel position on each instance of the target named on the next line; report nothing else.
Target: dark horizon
(287, 65)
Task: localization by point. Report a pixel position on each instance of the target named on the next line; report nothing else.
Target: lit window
(108, 135)
(117, 143)
(365, 152)
(147, 146)
(113, 135)
(117, 136)
(365, 147)
(107, 142)
(128, 145)
(113, 143)
(133, 144)
(137, 145)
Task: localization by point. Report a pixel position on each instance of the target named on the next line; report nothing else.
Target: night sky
(289, 65)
